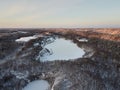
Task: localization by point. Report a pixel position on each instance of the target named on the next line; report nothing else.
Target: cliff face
(100, 71)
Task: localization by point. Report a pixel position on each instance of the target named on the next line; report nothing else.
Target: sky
(59, 13)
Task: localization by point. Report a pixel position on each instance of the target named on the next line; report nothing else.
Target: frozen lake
(60, 49)
(37, 85)
(28, 38)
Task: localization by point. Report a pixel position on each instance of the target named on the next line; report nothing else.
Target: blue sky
(59, 13)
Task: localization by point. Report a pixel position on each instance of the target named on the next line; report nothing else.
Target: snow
(22, 32)
(82, 40)
(61, 49)
(26, 39)
(38, 85)
(20, 75)
(36, 44)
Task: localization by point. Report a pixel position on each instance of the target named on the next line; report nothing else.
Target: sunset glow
(59, 13)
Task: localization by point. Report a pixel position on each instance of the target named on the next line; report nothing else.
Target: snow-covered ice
(38, 85)
(26, 39)
(61, 49)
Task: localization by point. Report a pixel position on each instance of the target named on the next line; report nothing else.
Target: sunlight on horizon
(63, 13)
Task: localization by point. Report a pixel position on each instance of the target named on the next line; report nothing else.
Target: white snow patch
(58, 79)
(82, 40)
(20, 75)
(26, 39)
(36, 44)
(61, 49)
(38, 85)
(22, 32)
